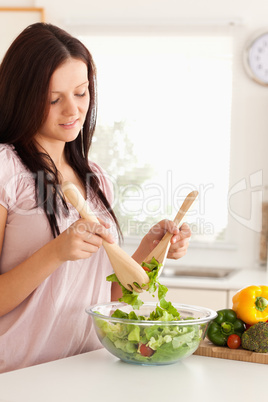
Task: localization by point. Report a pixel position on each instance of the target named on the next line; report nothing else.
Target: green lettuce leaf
(131, 298)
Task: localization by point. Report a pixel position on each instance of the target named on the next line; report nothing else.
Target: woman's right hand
(82, 239)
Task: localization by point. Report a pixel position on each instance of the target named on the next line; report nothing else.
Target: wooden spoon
(161, 250)
(127, 270)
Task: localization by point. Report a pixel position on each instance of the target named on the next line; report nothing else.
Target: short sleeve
(12, 175)
(8, 177)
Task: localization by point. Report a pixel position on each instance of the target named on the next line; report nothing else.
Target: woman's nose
(70, 107)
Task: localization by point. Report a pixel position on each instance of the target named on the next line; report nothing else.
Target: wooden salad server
(161, 250)
(127, 270)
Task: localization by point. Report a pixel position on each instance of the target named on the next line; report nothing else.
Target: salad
(156, 337)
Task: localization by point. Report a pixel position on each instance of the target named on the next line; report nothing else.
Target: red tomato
(234, 341)
(146, 268)
(146, 350)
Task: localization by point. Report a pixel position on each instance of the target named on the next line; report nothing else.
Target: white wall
(253, 12)
(250, 103)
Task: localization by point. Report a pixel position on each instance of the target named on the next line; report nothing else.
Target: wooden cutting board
(206, 348)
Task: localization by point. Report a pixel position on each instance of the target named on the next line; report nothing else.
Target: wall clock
(256, 58)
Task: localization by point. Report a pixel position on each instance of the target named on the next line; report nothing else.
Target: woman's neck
(54, 150)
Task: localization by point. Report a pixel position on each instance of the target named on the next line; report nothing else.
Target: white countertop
(236, 281)
(99, 376)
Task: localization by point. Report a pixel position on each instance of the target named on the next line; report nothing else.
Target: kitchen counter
(235, 281)
(99, 376)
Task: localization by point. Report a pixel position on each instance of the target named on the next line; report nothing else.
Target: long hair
(25, 74)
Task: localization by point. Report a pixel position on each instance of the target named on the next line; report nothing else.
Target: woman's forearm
(76, 242)
(18, 283)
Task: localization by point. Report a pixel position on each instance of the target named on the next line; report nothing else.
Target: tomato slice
(146, 350)
(146, 268)
(233, 341)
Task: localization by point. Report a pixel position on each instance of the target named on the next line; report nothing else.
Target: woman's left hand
(179, 241)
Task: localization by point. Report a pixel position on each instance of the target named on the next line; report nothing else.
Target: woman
(52, 265)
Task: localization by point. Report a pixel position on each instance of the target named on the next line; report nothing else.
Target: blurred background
(177, 112)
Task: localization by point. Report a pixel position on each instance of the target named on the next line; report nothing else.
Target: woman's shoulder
(10, 162)
(8, 153)
(105, 180)
(7, 149)
(97, 169)
(10, 174)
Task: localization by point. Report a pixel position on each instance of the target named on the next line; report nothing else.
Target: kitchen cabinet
(211, 293)
(211, 298)
(231, 293)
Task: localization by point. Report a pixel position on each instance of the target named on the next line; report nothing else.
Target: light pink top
(51, 323)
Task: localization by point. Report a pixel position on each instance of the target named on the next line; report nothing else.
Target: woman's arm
(116, 292)
(78, 241)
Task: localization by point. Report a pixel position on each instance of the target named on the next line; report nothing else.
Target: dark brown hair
(25, 74)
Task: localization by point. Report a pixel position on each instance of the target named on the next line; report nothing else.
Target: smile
(71, 124)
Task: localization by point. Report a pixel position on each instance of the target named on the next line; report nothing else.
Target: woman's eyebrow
(82, 84)
(57, 92)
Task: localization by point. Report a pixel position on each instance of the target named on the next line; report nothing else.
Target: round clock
(256, 58)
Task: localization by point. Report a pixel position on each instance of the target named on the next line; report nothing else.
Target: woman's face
(69, 101)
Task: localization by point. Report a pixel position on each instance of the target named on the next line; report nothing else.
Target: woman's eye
(54, 102)
(81, 95)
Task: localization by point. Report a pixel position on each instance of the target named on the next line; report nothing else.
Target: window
(163, 129)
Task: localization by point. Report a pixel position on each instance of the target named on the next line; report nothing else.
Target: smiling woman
(52, 264)
(47, 252)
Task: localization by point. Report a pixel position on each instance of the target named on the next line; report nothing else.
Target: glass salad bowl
(149, 336)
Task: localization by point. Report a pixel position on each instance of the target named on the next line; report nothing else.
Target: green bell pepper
(224, 325)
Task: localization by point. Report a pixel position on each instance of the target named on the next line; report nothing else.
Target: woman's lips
(70, 124)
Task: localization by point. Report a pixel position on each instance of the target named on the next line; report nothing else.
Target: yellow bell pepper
(251, 304)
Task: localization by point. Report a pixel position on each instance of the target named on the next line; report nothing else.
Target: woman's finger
(85, 227)
(184, 233)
